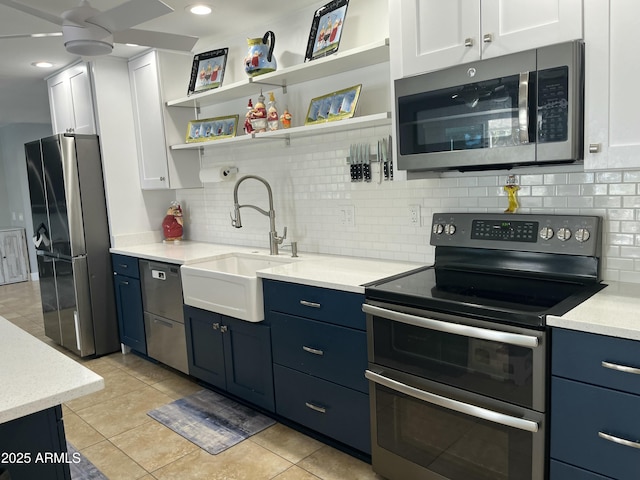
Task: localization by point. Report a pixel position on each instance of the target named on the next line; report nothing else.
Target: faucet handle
(278, 239)
(234, 221)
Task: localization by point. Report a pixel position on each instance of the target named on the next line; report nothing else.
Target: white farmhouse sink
(229, 285)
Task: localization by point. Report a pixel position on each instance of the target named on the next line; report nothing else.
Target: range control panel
(568, 234)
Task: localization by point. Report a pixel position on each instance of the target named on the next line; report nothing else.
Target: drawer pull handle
(315, 351)
(123, 265)
(315, 407)
(621, 368)
(618, 440)
(123, 282)
(309, 304)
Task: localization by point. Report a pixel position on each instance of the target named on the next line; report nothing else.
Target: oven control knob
(449, 229)
(438, 228)
(546, 233)
(582, 235)
(564, 234)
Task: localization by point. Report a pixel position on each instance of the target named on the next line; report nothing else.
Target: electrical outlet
(414, 215)
(347, 215)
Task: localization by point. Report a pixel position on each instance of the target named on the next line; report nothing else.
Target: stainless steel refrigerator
(71, 235)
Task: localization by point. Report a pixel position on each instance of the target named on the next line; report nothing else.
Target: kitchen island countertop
(35, 376)
(612, 311)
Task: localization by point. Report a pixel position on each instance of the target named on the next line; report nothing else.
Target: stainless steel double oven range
(459, 351)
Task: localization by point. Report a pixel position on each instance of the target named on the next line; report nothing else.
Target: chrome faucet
(236, 221)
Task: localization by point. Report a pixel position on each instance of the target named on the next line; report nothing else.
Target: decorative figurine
(285, 118)
(512, 189)
(248, 128)
(259, 115)
(172, 223)
(272, 113)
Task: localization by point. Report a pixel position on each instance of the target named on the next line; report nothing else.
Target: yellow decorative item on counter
(512, 190)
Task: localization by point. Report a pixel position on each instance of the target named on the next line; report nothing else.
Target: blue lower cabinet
(231, 354)
(333, 410)
(129, 302)
(595, 428)
(562, 471)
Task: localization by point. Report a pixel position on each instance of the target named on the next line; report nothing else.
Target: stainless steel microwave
(520, 109)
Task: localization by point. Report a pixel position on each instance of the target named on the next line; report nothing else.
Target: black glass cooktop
(498, 297)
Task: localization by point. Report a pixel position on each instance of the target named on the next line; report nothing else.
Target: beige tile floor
(111, 427)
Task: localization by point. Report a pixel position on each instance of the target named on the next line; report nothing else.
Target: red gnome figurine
(172, 223)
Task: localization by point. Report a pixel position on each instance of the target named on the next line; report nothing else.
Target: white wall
(14, 185)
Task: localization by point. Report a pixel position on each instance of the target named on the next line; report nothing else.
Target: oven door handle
(517, 339)
(455, 405)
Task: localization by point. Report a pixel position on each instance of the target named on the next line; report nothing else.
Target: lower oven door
(429, 431)
(504, 362)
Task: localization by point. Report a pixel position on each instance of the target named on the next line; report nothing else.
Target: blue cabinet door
(205, 349)
(248, 363)
(130, 313)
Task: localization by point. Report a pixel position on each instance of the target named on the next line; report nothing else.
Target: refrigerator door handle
(76, 322)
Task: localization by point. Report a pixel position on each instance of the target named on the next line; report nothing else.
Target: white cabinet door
(612, 124)
(147, 112)
(436, 34)
(428, 35)
(510, 26)
(14, 266)
(71, 102)
(153, 76)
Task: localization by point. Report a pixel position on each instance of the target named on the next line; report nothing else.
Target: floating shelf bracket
(282, 85)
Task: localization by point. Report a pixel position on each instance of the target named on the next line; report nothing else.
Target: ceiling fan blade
(32, 35)
(168, 41)
(129, 14)
(32, 11)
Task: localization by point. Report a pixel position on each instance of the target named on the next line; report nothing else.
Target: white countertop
(35, 376)
(327, 271)
(614, 311)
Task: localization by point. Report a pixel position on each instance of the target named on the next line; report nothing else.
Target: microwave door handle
(455, 405)
(523, 108)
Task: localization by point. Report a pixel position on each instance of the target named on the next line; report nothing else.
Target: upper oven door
(498, 361)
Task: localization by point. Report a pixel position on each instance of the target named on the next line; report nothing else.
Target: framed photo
(333, 106)
(207, 70)
(209, 129)
(326, 29)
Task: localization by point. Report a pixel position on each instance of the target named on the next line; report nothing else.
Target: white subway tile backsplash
(311, 180)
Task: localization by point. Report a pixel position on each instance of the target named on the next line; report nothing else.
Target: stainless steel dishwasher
(163, 315)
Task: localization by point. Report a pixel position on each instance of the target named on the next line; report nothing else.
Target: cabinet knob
(223, 328)
(216, 326)
(487, 38)
(468, 42)
(162, 179)
(594, 148)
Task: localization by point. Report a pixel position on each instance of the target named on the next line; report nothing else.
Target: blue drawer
(578, 412)
(333, 306)
(123, 265)
(562, 471)
(579, 356)
(331, 352)
(333, 410)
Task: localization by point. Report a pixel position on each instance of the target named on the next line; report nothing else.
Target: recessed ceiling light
(199, 9)
(42, 64)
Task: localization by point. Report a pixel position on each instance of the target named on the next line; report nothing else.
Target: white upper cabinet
(435, 34)
(612, 124)
(154, 77)
(71, 102)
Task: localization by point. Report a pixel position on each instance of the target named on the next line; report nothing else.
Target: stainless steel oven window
(421, 434)
(499, 361)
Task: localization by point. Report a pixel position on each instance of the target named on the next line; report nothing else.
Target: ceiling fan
(89, 32)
